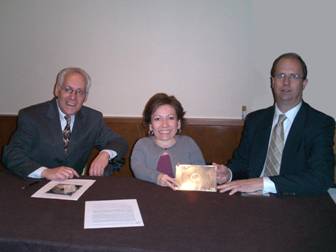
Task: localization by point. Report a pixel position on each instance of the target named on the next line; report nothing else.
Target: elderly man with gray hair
(54, 139)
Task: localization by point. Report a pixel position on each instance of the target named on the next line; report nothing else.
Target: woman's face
(164, 123)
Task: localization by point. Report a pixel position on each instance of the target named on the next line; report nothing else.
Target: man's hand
(223, 173)
(165, 180)
(244, 185)
(99, 164)
(59, 173)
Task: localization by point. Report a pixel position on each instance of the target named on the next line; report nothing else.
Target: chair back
(335, 157)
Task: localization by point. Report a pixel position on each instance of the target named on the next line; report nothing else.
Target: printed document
(112, 214)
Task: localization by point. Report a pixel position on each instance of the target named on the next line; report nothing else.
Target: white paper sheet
(112, 214)
(70, 189)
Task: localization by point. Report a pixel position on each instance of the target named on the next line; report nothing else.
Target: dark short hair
(290, 55)
(158, 100)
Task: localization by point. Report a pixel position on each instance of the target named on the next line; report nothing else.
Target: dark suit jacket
(38, 140)
(307, 159)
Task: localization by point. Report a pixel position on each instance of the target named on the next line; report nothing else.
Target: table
(174, 221)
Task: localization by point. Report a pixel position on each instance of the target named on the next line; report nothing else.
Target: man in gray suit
(54, 139)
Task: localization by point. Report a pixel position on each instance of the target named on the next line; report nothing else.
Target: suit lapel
(54, 126)
(261, 139)
(77, 130)
(293, 139)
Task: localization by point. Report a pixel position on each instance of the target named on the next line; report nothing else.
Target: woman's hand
(165, 180)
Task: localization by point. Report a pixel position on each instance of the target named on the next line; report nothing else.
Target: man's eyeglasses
(70, 90)
(282, 76)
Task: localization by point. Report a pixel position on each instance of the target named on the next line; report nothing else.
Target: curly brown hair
(158, 100)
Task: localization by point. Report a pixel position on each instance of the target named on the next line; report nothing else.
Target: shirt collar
(290, 114)
(62, 115)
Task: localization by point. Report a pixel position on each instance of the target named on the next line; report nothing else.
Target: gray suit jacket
(307, 159)
(38, 140)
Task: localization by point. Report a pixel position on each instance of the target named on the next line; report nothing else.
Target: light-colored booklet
(70, 189)
(196, 177)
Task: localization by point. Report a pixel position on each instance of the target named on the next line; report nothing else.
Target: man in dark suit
(305, 157)
(54, 139)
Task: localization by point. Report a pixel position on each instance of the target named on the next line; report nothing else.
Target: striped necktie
(67, 133)
(274, 153)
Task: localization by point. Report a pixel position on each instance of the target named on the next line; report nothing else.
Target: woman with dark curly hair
(155, 157)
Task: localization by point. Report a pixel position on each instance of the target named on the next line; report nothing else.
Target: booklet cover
(196, 177)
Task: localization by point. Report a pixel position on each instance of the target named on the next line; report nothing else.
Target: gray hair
(61, 75)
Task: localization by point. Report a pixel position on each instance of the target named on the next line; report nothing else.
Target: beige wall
(214, 55)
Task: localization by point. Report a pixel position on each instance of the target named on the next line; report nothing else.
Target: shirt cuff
(269, 186)
(111, 153)
(37, 174)
(230, 179)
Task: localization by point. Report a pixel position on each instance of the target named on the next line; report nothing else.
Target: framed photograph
(70, 189)
(196, 177)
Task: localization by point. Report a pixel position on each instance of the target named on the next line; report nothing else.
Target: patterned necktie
(274, 153)
(67, 133)
(164, 165)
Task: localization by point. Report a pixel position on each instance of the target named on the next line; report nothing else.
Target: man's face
(72, 94)
(288, 84)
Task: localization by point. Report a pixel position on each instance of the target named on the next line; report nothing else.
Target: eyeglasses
(70, 90)
(282, 76)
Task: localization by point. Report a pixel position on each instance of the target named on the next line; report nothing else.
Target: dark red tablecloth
(174, 221)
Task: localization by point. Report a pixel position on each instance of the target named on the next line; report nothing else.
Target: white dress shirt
(269, 186)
